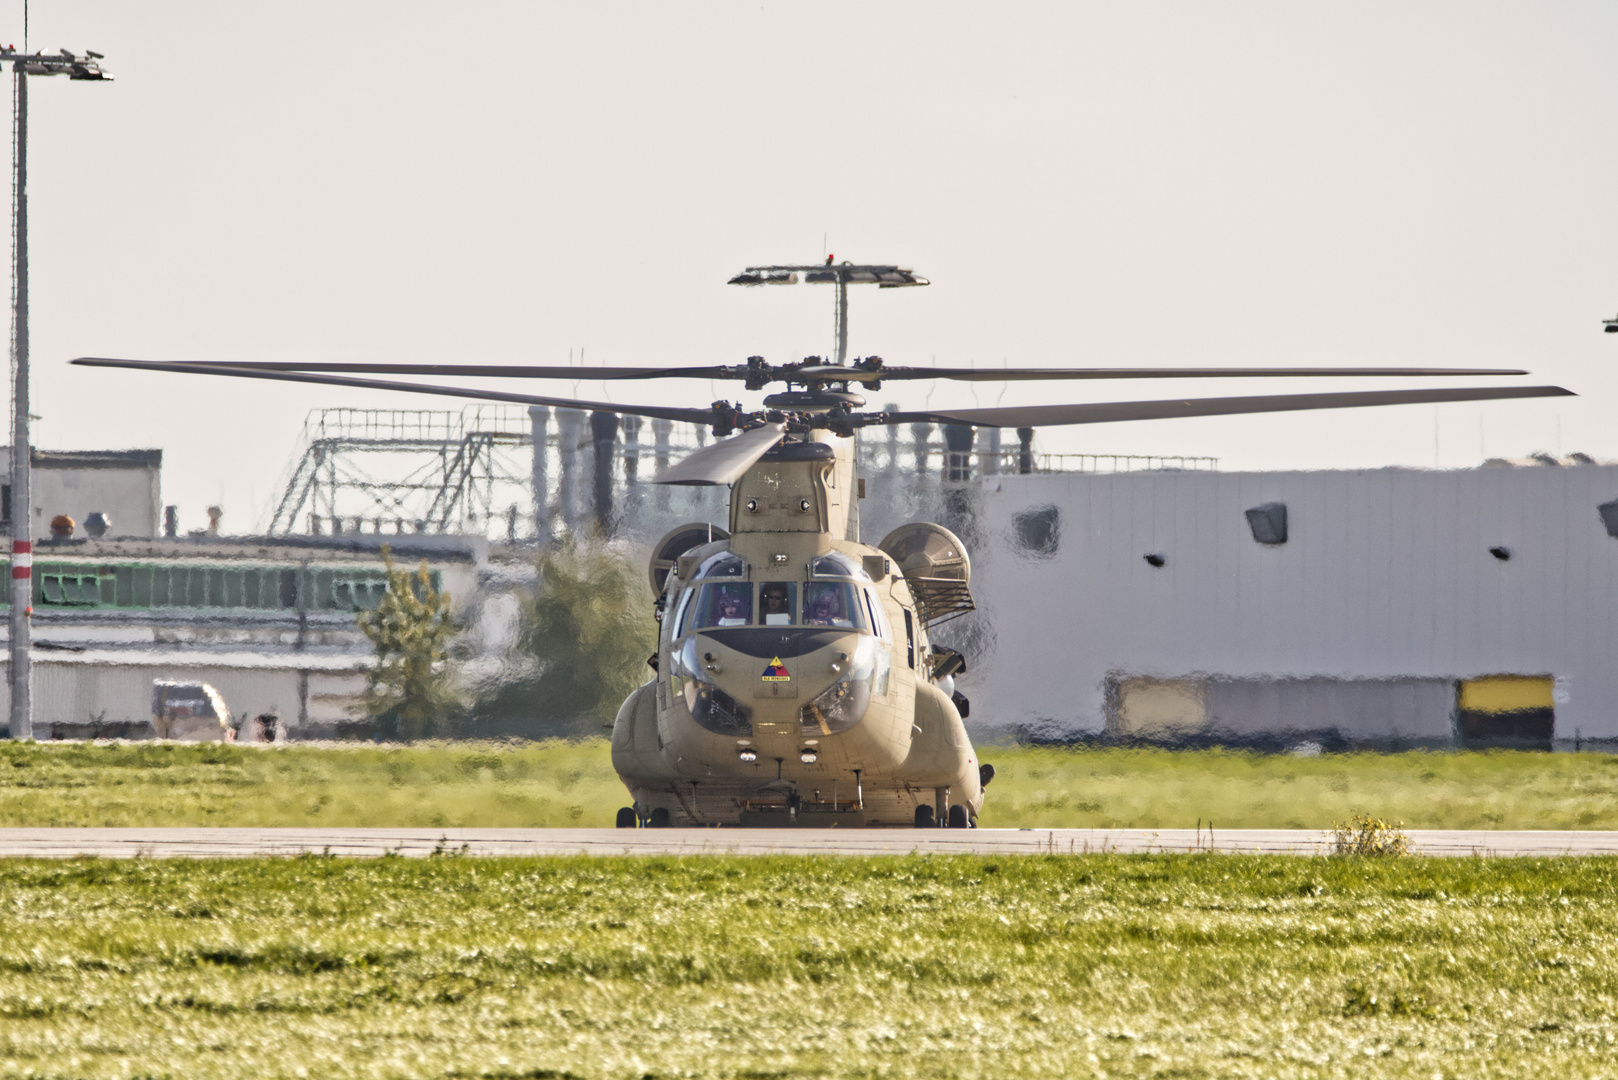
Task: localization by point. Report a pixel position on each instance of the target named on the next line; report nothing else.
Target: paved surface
(229, 843)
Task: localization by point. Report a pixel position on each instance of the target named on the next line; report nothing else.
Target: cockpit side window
(836, 564)
(833, 603)
(777, 601)
(726, 604)
(879, 617)
(680, 611)
(722, 564)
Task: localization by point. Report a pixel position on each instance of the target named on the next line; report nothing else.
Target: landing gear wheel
(659, 818)
(957, 817)
(627, 818)
(924, 817)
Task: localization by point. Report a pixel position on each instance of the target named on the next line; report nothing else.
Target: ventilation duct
(1269, 523)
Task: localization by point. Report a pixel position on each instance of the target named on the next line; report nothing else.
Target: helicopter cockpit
(834, 606)
(837, 594)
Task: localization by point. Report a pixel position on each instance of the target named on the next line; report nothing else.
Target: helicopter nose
(798, 680)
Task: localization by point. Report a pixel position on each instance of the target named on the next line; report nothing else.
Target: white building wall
(124, 485)
(116, 690)
(1386, 574)
(127, 497)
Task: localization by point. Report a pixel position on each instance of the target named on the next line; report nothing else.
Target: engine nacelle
(935, 566)
(667, 551)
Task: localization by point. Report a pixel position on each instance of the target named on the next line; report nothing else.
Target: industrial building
(1387, 607)
(270, 623)
(122, 486)
(1120, 598)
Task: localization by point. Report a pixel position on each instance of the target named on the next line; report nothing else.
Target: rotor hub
(814, 399)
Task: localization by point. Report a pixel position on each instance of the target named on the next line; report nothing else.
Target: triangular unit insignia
(777, 672)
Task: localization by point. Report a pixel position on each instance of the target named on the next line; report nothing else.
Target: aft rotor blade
(1106, 412)
(1026, 374)
(834, 373)
(694, 416)
(723, 462)
(483, 371)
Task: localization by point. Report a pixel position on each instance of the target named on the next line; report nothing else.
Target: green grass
(434, 785)
(1039, 966)
(564, 784)
(1423, 789)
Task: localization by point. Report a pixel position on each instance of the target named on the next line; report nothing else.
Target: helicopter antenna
(842, 275)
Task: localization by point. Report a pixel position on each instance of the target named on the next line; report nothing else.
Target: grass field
(1040, 966)
(564, 784)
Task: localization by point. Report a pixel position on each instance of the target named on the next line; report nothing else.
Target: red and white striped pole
(22, 547)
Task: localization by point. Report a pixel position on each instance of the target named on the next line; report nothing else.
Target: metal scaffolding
(408, 470)
(475, 472)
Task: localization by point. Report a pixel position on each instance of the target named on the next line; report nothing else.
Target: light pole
(79, 68)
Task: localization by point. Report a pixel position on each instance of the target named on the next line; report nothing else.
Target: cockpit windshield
(832, 603)
(728, 604)
(777, 600)
(839, 605)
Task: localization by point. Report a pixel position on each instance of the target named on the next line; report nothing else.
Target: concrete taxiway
(361, 843)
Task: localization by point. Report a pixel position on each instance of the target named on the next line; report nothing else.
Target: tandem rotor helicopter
(795, 679)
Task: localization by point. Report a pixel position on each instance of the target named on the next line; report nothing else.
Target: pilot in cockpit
(732, 606)
(775, 604)
(823, 605)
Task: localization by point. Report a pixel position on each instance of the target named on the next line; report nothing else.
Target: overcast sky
(1129, 183)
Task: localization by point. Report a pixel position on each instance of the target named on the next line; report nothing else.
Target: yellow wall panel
(1506, 693)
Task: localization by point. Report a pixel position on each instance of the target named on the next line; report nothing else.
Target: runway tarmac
(363, 843)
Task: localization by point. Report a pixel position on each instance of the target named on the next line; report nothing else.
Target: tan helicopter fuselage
(794, 672)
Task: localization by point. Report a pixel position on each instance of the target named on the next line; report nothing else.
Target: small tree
(584, 634)
(409, 693)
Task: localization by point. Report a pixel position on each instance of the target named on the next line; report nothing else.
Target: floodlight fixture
(85, 68)
(842, 275)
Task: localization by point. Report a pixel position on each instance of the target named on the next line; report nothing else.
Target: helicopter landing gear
(627, 818)
(957, 817)
(659, 818)
(924, 817)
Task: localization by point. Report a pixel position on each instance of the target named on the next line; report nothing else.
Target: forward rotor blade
(694, 416)
(723, 462)
(1112, 411)
(1025, 374)
(482, 371)
(836, 373)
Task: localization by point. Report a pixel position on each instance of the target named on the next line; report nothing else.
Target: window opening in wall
(138, 585)
(1516, 711)
(70, 589)
(1038, 531)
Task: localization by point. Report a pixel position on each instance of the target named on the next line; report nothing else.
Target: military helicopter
(796, 682)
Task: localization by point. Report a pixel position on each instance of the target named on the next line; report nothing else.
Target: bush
(409, 693)
(1369, 836)
(584, 634)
